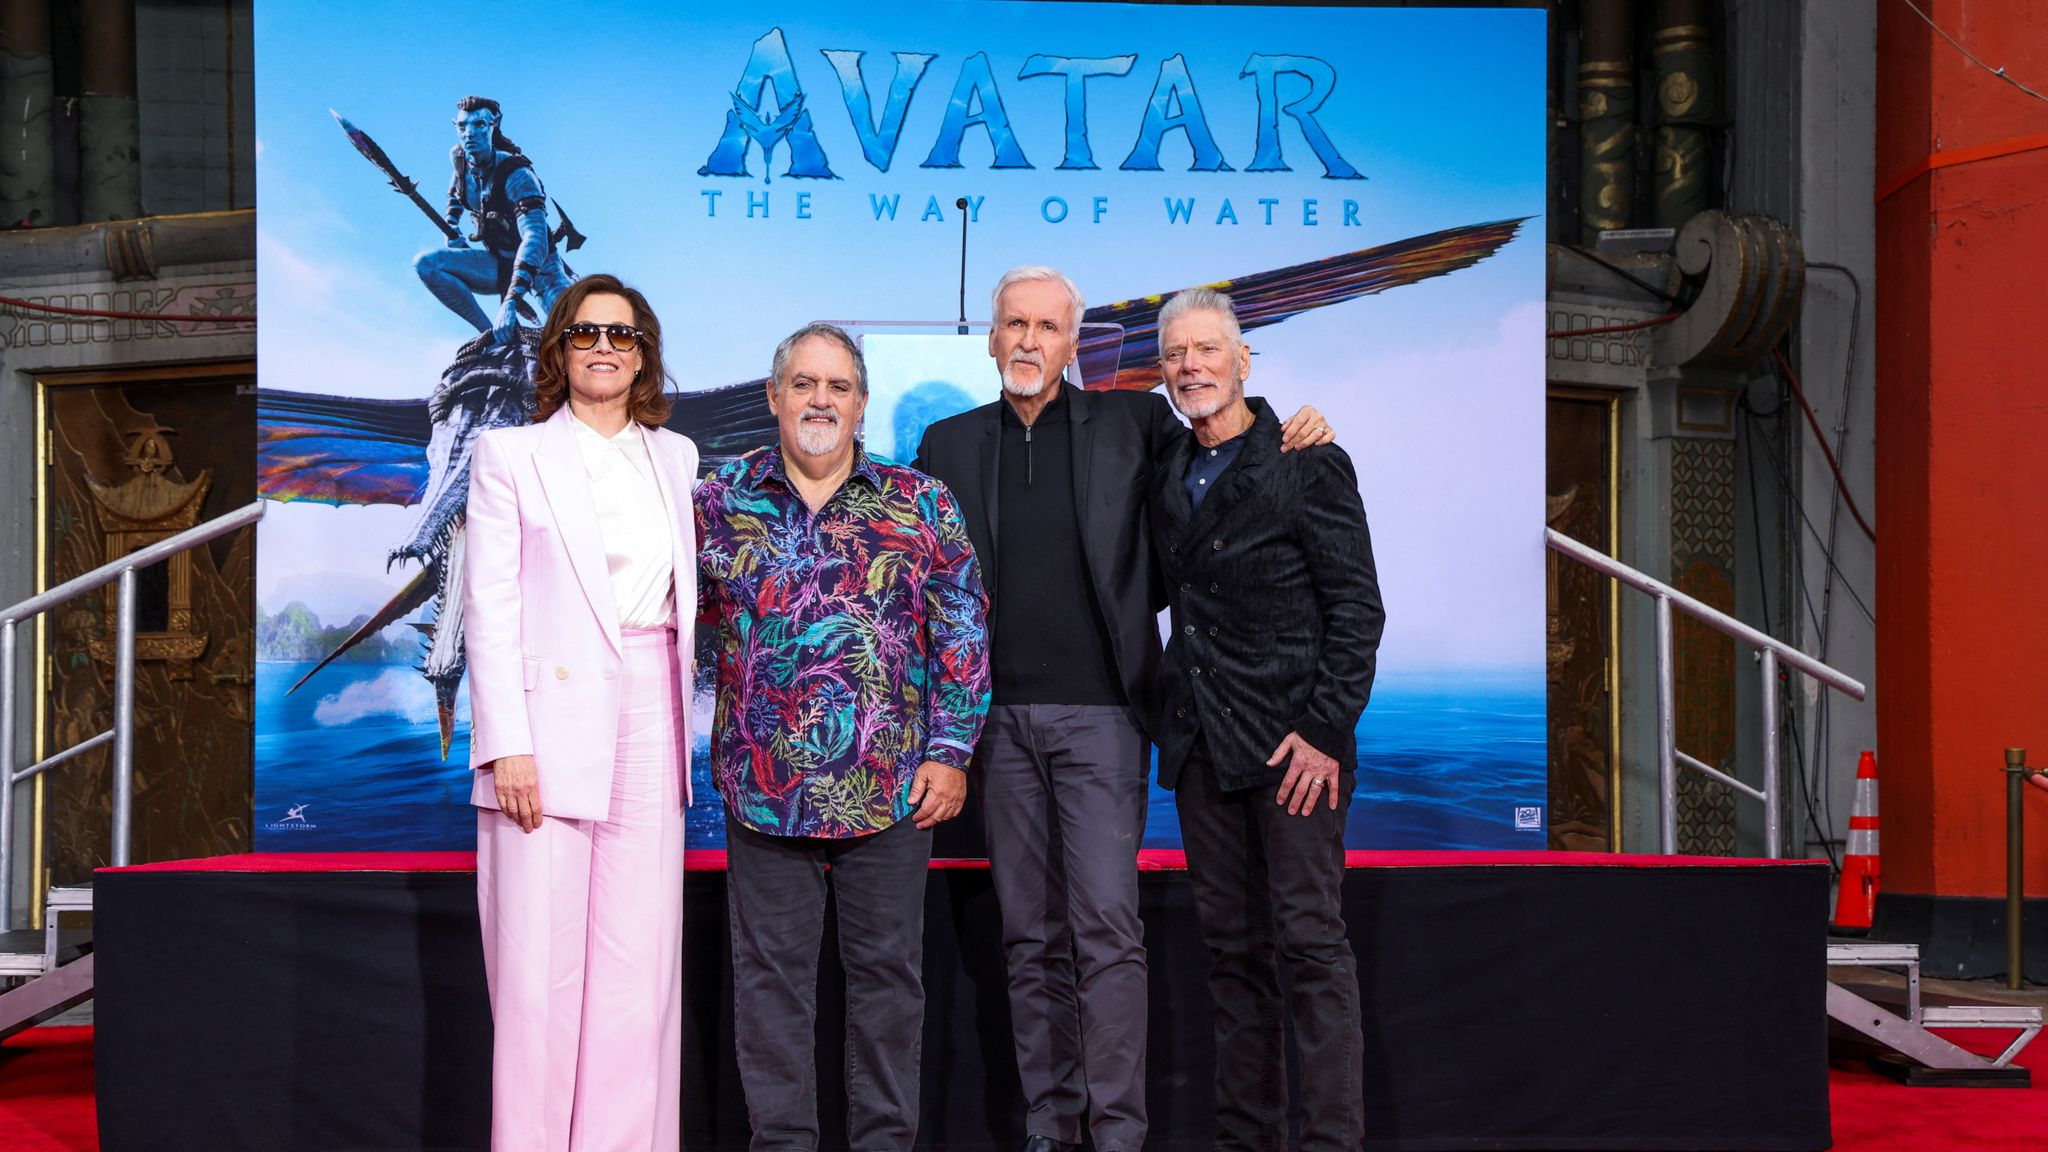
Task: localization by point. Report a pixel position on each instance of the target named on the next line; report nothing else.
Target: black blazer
(1276, 608)
(1117, 438)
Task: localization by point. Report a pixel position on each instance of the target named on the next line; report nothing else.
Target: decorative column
(1607, 116)
(1681, 50)
(109, 141)
(27, 172)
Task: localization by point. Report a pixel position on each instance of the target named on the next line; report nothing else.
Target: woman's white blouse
(639, 538)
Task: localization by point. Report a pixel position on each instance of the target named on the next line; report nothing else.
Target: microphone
(961, 204)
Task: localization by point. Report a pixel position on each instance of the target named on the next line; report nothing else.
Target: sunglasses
(583, 337)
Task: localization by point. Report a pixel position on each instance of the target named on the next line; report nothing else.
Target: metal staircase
(1933, 1059)
(52, 970)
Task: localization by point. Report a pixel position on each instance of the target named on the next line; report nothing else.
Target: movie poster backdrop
(1368, 183)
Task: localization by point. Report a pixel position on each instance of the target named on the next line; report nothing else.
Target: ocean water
(351, 762)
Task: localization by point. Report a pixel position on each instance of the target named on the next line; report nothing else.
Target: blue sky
(1436, 388)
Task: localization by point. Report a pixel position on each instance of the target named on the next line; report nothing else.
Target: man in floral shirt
(852, 684)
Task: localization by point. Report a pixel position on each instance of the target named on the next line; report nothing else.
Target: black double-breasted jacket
(1276, 607)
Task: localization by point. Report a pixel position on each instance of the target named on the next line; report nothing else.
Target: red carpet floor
(46, 1102)
(46, 1091)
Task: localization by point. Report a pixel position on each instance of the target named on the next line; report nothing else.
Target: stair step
(21, 951)
(1980, 1016)
(1871, 952)
(76, 898)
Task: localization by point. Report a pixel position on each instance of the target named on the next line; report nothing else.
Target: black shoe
(1048, 1144)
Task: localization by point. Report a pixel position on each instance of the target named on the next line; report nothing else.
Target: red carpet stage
(1512, 1001)
(46, 1101)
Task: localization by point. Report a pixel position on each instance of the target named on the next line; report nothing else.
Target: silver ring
(1315, 783)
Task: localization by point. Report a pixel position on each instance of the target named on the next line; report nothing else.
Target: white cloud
(1445, 427)
(336, 329)
(331, 559)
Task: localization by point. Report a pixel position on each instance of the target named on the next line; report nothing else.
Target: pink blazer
(539, 623)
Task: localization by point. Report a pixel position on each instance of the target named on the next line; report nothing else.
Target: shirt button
(1194, 671)
(1226, 711)
(1190, 630)
(1180, 713)
(1213, 589)
(1212, 631)
(1217, 546)
(1212, 671)
(1186, 588)
(1173, 547)
(561, 672)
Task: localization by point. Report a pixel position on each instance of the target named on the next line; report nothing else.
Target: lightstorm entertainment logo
(294, 820)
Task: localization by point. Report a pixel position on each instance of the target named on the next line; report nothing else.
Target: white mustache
(1031, 358)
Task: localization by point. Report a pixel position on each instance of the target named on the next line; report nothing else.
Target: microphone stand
(961, 204)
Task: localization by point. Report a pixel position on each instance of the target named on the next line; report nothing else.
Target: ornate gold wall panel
(1703, 564)
(1580, 486)
(129, 464)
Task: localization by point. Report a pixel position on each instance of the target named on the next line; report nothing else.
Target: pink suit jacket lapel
(567, 483)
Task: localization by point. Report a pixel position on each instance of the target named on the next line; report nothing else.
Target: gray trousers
(1063, 799)
(776, 888)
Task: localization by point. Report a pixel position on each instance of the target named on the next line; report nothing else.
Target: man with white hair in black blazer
(1053, 481)
(1276, 624)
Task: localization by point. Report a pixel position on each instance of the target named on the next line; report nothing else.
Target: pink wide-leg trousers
(583, 933)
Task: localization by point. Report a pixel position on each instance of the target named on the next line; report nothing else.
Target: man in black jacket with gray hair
(1054, 482)
(1276, 623)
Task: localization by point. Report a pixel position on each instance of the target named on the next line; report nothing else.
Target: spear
(400, 182)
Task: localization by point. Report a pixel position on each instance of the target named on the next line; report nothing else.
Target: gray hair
(1029, 272)
(1202, 300)
(823, 331)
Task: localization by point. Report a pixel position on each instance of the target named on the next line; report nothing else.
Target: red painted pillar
(1962, 450)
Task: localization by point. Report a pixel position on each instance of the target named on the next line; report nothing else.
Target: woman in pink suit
(581, 549)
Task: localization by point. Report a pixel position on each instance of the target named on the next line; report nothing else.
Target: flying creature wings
(416, 453)
(350, 450)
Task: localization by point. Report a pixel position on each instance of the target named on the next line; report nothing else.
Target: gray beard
(817, 439)
(1223, 398)
(1015, 388)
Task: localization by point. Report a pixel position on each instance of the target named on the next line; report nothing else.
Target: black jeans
(776, 888)
(1063, 798)
(1267, 890)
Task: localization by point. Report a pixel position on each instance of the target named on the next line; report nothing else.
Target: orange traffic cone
(1856, 899)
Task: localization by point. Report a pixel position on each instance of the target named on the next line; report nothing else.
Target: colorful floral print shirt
(852, 643)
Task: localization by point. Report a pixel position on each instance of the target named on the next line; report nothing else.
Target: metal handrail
(122, 734)
(1772, 651)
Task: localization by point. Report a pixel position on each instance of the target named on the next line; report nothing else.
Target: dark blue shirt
(1208, 464)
